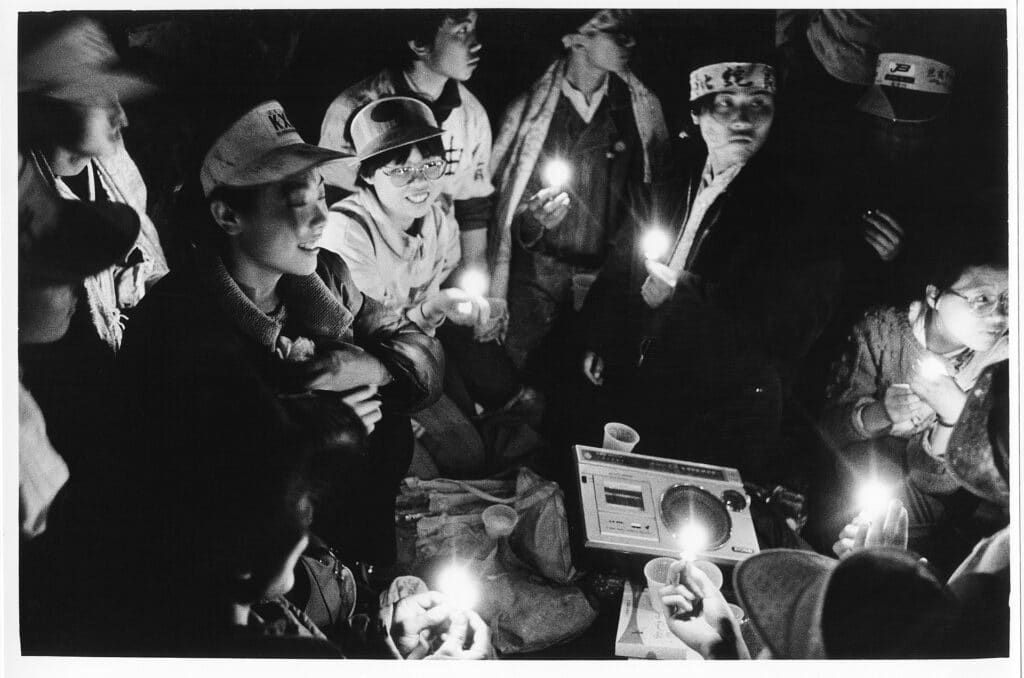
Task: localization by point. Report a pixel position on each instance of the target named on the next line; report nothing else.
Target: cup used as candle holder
(713, 572)
(499, 520)
(656, 571)
(619, 437)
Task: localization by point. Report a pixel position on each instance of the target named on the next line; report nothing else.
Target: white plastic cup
(499, 520)
(656, 571)
(619, 437)
(711, 570)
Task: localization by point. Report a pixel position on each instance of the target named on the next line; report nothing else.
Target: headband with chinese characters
(909, 71)
(731, 77)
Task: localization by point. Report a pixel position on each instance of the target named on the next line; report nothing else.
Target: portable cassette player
(635, 504)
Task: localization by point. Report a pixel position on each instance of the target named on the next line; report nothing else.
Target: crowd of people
(790, 285)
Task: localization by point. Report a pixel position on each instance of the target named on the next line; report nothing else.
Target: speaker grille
(682, 503)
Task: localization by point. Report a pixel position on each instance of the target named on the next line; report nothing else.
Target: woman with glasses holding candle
(401, 247)
(693, 345)
(901, 385)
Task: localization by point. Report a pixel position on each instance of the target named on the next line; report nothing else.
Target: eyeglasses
(400, 176)
(984, 304)
(621, 37)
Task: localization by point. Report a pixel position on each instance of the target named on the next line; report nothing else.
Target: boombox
(635, 504)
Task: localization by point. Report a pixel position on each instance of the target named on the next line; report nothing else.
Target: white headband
(731, 77)
(909, 71)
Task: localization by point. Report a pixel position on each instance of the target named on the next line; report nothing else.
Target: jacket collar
(310, 304)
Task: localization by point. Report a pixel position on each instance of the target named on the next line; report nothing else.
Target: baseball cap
(68, 240)
(261, 147)
(877, 603)
(76, 62)
(389, 123)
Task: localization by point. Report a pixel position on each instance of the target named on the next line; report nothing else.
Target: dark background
(206, 60)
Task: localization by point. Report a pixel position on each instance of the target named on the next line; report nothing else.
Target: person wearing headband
(694, 346)
(589, 117)
(260, 287)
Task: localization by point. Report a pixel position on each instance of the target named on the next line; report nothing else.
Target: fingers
(889, 220)
(359, 395)
(481, 646)
(894, 530)
(676, 604)
(861, 536)
(843, 548)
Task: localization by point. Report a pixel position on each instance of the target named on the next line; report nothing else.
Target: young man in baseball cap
(262, 293)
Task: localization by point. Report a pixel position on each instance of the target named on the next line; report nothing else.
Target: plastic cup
(499, 520)
(711, 570)
(619, 437)
(656, 571)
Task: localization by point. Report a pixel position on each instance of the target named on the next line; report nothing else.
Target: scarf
(519, 142)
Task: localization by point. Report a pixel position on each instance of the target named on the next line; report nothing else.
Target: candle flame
(460, 586)
(655, 243)
(556, 173)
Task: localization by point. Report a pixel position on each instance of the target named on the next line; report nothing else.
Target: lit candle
(655, 243)
(932, 368)
(872, 499)
(460, 586)
(693, 537)
(474, 282)
(556, 173)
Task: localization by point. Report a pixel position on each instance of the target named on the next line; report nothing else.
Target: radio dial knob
(734, 500)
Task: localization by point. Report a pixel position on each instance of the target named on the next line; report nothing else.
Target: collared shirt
(711, 186)
(579, 101)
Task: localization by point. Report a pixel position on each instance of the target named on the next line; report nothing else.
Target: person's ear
(226, 217)
(931, 295)
(421, 50)
(695, 119)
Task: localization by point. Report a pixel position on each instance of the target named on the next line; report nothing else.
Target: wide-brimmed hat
(389, 123)
(876, 603)
(66, 241)
(261, 147)
(977, 453)
(923, 85)
(76, 62)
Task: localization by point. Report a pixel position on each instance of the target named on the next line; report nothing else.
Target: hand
(549, 207)
(940, 392)
(462, 308)
(904, 408)
(698, 615)
(593, 368)
(423, 620)
(341, 368)
(660, 284)
(365, 403)
(889, 528)
(883, 233)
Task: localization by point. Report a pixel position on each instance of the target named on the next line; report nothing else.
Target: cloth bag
(541, 539)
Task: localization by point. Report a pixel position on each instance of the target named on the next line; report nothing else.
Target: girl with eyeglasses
(902, 384)
(401, 246)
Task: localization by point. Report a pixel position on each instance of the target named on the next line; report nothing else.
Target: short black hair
(421, 26)
(427, 148)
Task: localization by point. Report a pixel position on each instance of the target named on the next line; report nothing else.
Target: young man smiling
(440, 53)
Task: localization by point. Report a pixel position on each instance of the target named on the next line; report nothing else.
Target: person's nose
(118, 118)
(742, 118)
(474, 44)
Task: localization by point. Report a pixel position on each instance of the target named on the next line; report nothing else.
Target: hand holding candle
(933, 384)
(550, 205)
(882, 521)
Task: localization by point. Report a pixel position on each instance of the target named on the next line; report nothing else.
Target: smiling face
(455, 51)
(412, 201)
(279, 234)
(953, 316)
(735, 125)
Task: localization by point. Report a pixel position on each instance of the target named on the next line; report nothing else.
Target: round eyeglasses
(400, 176)
(985, 304)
